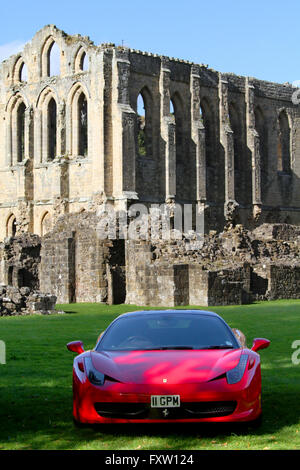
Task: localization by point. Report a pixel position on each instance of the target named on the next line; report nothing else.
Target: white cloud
(6, 50)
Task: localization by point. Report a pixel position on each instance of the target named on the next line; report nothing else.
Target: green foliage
(36, 384)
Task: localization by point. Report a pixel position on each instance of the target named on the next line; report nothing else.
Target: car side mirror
(260, 343)
(76, 346)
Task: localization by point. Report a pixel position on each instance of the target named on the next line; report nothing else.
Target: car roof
(167, 312)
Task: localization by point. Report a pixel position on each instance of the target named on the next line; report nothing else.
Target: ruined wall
(20, 260)
(153, 281)
(74, 263)
(234, 267)
(119, 126)
(77, 266)
(284, 282)
(73, 137)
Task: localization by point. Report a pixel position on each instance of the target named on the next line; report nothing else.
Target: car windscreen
(155, 332)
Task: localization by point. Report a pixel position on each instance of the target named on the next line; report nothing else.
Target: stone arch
(81, 62)
(283, 143)
(52, 129)
(50, 58)
(47, 106)
(17, 144)
(78, 104)
(46, 223)
(11, 225)
(20, 72)
(21, 131)
(145, 168)
(144, 123)
(262, 130)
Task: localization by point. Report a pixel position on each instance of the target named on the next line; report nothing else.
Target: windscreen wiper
(161, 348)
(218, 346)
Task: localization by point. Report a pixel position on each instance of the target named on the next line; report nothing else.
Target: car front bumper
(214, 401)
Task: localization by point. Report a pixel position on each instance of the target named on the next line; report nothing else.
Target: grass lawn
(36, 384)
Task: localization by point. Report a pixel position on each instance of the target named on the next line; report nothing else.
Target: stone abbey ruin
(75, 139)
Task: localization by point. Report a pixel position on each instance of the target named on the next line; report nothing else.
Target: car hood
(155, 367)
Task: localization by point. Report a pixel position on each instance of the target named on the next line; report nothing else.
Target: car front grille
(191, 410)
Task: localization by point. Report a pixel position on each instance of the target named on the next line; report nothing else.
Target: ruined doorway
(25, 279)
(116, 273)
(10, 275)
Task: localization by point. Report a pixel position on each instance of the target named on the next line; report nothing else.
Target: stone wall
(77, 266)
(74, 264)
(284, 282)
(223, 148)
(233, 267)
(20, 260)
(22, 301)
(151, 281)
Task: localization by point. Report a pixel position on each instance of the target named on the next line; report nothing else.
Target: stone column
(124, 119)
(61, 127)
(38, 136)
(253, 144)
(168, 132)
(8, 140)
(198, 135)
(29, 130)
(97, 113)
(14, 137)
(227, 142)
(44, 134)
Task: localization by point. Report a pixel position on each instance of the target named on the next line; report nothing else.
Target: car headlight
(94, 376)
(235, 375)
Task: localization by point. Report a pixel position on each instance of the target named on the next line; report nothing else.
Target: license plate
(165, 401)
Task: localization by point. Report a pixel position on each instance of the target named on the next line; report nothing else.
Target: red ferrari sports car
(167, 366)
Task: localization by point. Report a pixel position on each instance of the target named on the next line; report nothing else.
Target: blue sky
(252, 38)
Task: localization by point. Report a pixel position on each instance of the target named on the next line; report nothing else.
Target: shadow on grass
(40, 417)
(38, 422)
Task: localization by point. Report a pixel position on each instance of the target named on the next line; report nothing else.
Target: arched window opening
(52, 127)
(84, 62)
(144, 135)
(53, 62)
(21, 132)
(141, 122)
(46, 224)
(11, 226)
(284, 157)
(82, 125)
(172, 108)
(23, 73)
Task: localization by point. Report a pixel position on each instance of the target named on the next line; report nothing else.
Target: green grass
(36, 384)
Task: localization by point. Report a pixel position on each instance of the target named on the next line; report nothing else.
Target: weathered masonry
(85, 127)
(80, 124)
